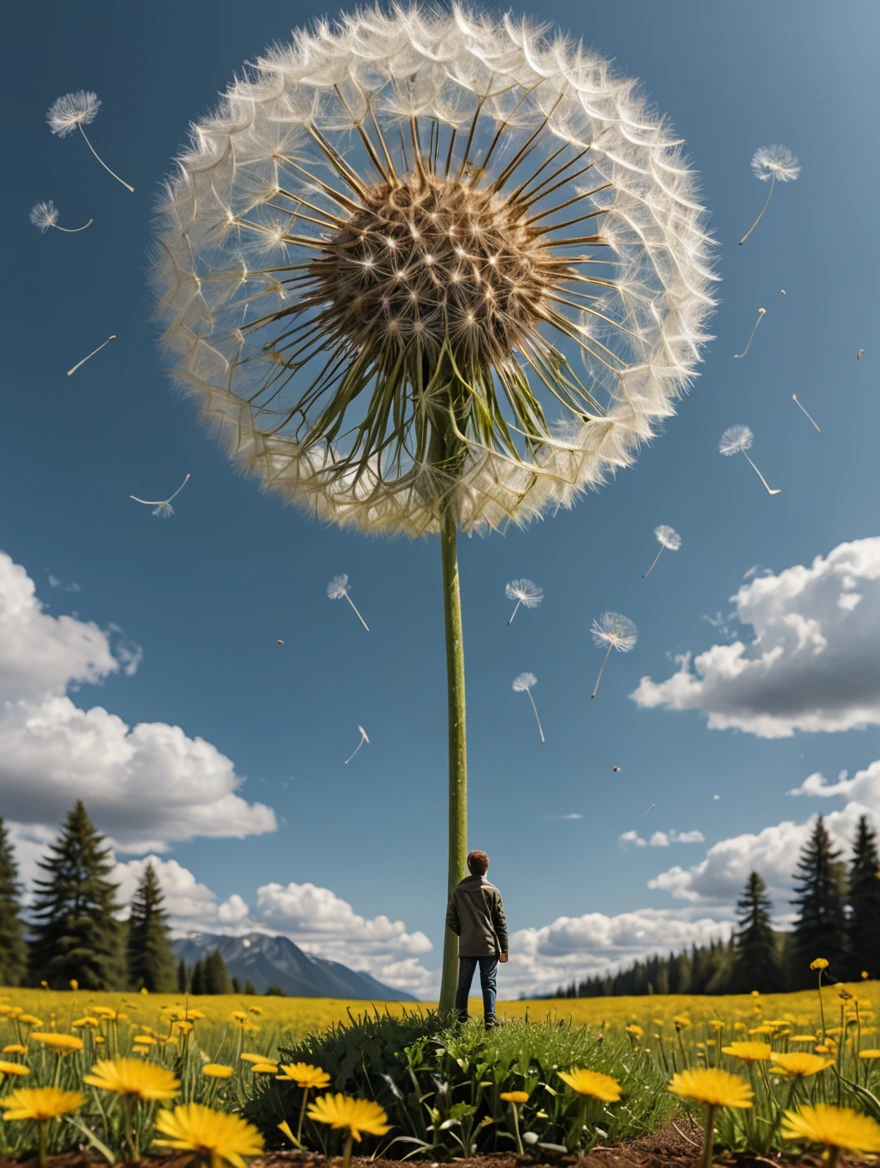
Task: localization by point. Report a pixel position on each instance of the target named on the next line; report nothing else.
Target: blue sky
(207, 594)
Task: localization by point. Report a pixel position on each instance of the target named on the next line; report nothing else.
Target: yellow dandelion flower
(305, 1076)
(658, 1022)
(765, 1028)
(217, 1071)
(213, 1135)
(636, 1030)
(183, 1027)
(284, 1126)
(60, 1043)
(8, 1068)
(264, 1068)
(195, 1014)
(40, 1103)
(756, 993)
(355, 1116)
(144, 990)
(144, 1040)
(239, 1016)
(835, 1127)
(739, 1025)
(514, 1096)
(29, 1020)
(801, 1064)
(85, 1021)
(864, 974)
(593, 1083)
(256, 1010)
(131, 1077)
(825, 1048)
(749, 1052)
(249, 1057)
(14, 1048)
(869, 1054)
(819, 963)
(716, 1023)
(802, 1038)
(712, 1086)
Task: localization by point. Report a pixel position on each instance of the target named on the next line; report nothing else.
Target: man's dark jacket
(476, 915)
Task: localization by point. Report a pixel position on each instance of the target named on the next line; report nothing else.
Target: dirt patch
(671, 1148)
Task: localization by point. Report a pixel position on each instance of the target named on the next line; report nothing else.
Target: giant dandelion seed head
(775, 162)
(71, 110)
(668, 537)
(421, 262)
(524, 592)
(735, 440)
(616, 630)
(524, 681)
(44, 215)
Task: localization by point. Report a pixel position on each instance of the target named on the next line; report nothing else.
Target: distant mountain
(263, 961)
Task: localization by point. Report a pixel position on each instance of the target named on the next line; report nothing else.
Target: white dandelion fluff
(738, 440)
(45, 215)
(411, 200)
(364, 739)
(71, 112)
(762, 312)
(523, 592)
(773, 164)
(523, 684)
(163, 506)
(667, 537)
(794, 398)
(70, 372)
(859, 354)
(615, 631)
(337, 588)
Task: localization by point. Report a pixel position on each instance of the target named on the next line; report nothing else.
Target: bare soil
(674, 1147)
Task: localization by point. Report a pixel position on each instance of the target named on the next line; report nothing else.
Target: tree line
(838, 918)
(73, 931)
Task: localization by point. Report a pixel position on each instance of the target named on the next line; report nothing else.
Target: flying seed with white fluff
(364, 739)
(112, 337)
(801, 408)
(667, 537)
(523, 684)
(762, 312)
(523, 592)
(859, 354)
(45, 215)
(71, 112)
(776, 163)
(738, 440)
(163, 507)
(337, 588)
(617, 632)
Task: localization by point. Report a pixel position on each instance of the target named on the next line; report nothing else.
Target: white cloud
(631, 837)
(814, 661)
(659, 840)
(718, 879)
(571, 815)
(146, 785)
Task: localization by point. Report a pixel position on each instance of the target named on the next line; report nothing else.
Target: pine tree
(150, 960)
(216, 977)
(182, 977)
(248, 988)
(197, 982)
(820, 930)
(863, 896)
(75, 930)
(236, 986)
(13, 948)
(757, 957)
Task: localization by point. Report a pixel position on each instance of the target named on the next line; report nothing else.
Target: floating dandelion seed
(364, 739)
(738, 440)
(45, 215)
(280, 642)
(337, 588)
(617, 632)
(434, 272)
(163, 506)
(859, 354)
(762, 312)
(781, 291)
(615, 768)
(667, 537)
(773, 163)
(651, 808)
(523, 592)
(523, 684)
(72, 112)
(801, 408)
(70, 372)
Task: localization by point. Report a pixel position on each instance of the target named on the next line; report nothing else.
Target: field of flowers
(229, 1075)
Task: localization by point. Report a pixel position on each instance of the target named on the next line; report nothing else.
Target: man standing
(476, 915)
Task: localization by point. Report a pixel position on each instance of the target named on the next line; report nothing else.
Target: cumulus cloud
(631, 837)
(147, 785)
(718, 879)
(812, 664)
(660, 839)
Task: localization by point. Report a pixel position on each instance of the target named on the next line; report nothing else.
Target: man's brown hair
(478, 863)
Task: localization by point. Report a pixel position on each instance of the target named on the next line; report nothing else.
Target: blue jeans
(466, 968)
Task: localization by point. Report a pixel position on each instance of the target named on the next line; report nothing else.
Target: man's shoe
(462, 1019)
(493, 1023)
